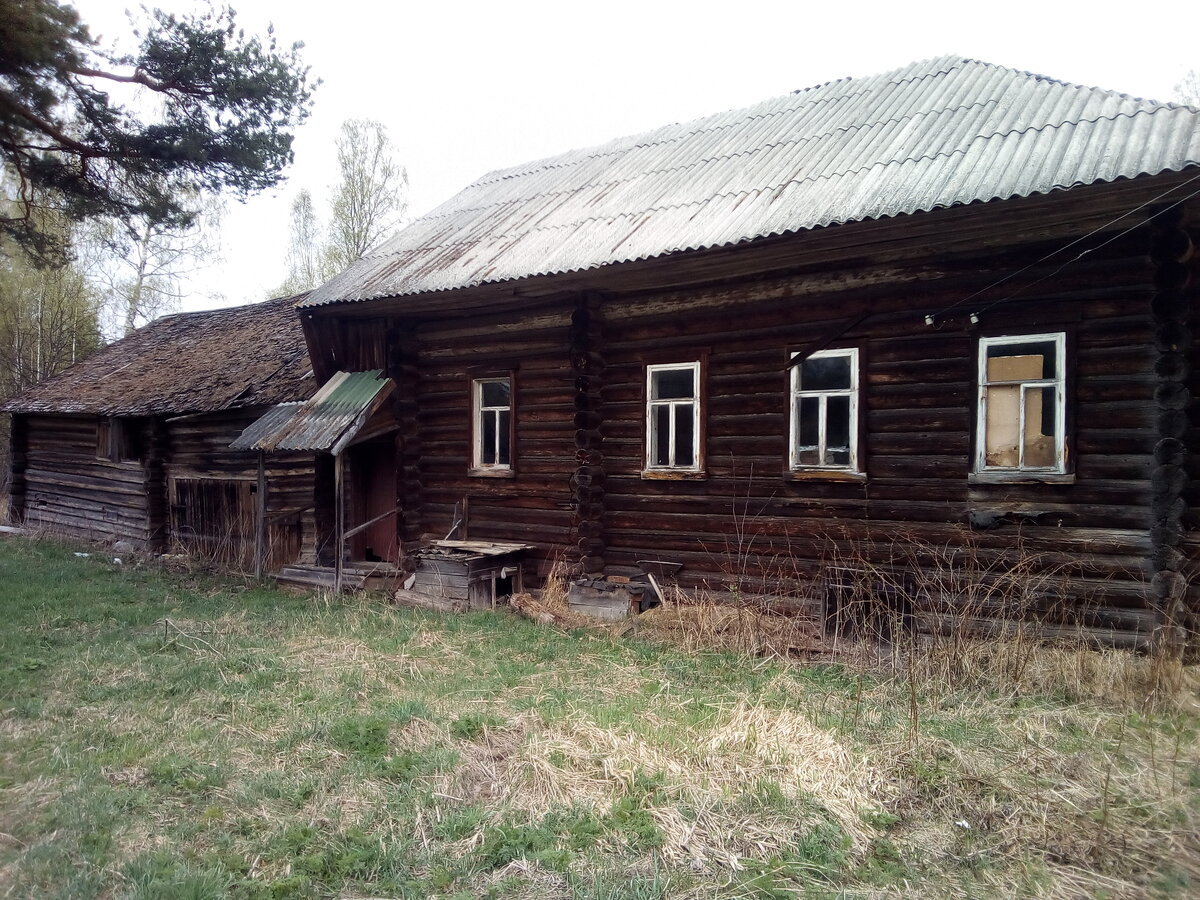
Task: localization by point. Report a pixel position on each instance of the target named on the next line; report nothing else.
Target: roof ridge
(1163, 104)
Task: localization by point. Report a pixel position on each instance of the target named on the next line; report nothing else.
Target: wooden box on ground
(469, 574)
(603, 599)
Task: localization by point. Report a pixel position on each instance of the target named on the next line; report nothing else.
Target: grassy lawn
(263, 745)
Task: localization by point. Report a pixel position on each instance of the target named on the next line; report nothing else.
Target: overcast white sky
(466, 87)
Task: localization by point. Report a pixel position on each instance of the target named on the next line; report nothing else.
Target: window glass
(825, 373)
(684, 434)
(495, 393)
(662, 436)
(810, 422)
(671, 384)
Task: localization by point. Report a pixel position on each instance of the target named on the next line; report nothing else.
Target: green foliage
(228, 102)
(362, 735)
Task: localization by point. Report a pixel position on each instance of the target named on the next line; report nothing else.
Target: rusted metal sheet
(934, 134)
(326, 422)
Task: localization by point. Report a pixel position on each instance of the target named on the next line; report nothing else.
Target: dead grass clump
(703, 623)
(958, 616)
(1026, 665)
(699, 788)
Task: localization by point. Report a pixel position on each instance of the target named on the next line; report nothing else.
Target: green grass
(182, 736)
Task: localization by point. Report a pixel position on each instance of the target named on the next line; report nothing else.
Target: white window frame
(797, 391)
(1058, 382)
(477, 411)
(652, 405)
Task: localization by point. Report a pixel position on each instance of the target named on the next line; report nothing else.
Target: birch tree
(372, 196)
(149, 261)
(367, 205)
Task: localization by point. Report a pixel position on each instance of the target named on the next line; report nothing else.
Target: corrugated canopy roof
(186, 363)
(327, 422)
(934, 134)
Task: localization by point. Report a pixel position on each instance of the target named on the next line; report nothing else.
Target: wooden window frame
(854, 468)
(117, 439)
(106, 445)
(1060, 472)
(477, 467)
(699, 402)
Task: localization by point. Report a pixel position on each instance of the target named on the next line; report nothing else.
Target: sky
(466, 87)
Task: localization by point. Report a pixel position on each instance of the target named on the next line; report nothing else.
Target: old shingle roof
(934, 134)
(190, 362)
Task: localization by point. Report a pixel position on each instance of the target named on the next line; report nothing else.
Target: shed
(132, 443)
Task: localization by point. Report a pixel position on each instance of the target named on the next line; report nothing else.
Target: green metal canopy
(327, 422)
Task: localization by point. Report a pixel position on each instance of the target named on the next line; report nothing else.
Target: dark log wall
(1106, 535)
(1175, 338)
(69, 491)
(535, 504)
(917, 405)
(198, 447)
(18, 460)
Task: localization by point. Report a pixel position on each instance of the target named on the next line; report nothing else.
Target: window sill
(492, 473)
(673, 475)
(824, 475)
(1017, 477)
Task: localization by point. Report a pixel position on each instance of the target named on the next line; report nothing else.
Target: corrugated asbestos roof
(230, 358)
(934, 134)
(330, 418)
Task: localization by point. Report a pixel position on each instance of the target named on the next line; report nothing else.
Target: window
(117, 439)
(673, 417)
(1022, 405)
(491, 399)
(824, 414)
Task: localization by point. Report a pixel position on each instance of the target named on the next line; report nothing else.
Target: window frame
(477, 466)
(696, 469)
(117, 439)
(1060, 471)
(795, 392)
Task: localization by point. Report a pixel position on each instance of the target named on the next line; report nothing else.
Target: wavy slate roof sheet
(190, 362)
(330, 417)
(934, 134)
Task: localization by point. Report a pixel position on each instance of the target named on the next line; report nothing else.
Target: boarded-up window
(1021, 403)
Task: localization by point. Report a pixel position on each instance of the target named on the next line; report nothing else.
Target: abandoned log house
(132, 443)
(946, 308)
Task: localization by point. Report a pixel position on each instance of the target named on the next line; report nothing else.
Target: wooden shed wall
(68, 490)
(198, 448)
